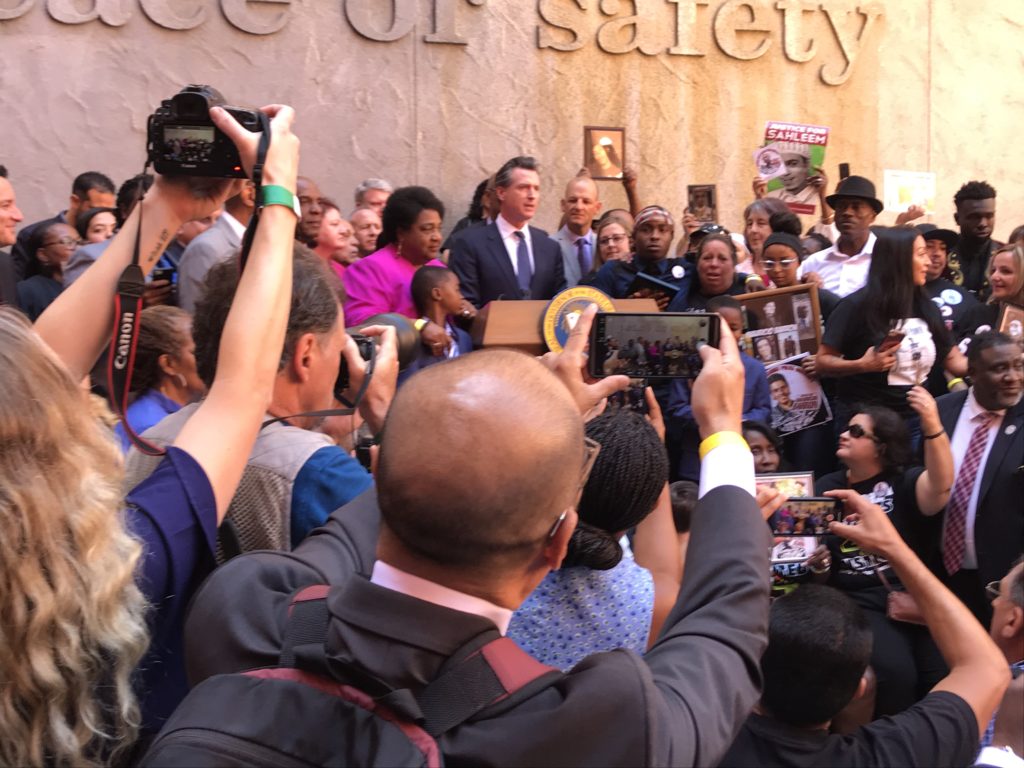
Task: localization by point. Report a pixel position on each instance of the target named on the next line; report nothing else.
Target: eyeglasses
(993, 590)
(771, 264)
(609, 239)
(590, 450)
(66, 240)
(856, 430)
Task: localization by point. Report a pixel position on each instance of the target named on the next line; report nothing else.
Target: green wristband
(273, 194)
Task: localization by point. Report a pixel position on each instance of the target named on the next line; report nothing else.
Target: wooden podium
(517, 324)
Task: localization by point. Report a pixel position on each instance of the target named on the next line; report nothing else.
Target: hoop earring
(182, 381)
(399, 248)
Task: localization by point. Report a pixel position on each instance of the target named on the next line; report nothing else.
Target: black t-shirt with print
(940, 730)
(917, 355)
(854, 569)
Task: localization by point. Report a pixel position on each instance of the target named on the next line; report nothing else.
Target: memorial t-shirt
(854, 569)
(917, 354)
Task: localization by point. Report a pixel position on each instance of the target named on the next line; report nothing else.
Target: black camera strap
(350, 407)
(128, 306)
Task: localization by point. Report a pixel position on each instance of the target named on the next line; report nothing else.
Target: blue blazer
(485, 271)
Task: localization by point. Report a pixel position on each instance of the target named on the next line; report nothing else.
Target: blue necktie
(583, 254)
(524, 274)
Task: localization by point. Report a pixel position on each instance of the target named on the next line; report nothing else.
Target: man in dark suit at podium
(983, 524)
(508, 259)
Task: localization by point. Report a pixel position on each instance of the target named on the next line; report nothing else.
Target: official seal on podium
(565, 309)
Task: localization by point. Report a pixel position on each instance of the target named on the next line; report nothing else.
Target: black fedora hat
(858, 187)
(932, 232)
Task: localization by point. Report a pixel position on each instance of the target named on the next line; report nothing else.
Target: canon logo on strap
(124, 340)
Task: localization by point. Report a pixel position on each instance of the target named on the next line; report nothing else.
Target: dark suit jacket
(485, 271)
(681, 704)
(999, 522)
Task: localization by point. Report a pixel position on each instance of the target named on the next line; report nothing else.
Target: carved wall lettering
(792, 25)
(686, 25)
(111, 12)
(181, 17)
(557, 15)
(444, 23)
(19, 10)
(241, 15)
(850, 41)
(610, 34)
(728, 23)
(364, 16)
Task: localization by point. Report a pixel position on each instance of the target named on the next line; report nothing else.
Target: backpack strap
(483, 673)
(491, 675)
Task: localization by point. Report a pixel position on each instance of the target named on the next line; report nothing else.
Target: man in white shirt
(219, 242)
(983, 523)
(843, 267)
(509, 259)
(577, 240)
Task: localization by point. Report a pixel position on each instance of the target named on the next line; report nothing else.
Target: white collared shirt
(840, 273)
(958, 443)
(511, 242)
(236, 226)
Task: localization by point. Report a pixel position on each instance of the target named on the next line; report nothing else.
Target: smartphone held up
(654, 346)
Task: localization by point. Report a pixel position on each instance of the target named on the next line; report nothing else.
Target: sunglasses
(771, 264)
(590, 450)
(857, 431)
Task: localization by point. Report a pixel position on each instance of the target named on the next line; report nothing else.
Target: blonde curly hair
(73, 627)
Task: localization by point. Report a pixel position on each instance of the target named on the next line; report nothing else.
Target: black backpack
(312, 711)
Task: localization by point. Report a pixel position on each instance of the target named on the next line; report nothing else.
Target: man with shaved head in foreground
(461, 545)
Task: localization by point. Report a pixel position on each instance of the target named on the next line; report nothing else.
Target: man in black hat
(976, 215)
(843, 268)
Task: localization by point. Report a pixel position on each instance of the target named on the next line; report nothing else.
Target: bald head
(580, 204)
(516, 438)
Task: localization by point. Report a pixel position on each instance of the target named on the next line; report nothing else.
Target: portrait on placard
(604, 151)
(789, 484)
(793, 549)
(782, 323)
(702, 203)
(1011, 322)
(798, 401)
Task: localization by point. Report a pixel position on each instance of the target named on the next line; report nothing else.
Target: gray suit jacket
(570, 259)
(681, 704)
(215, 245)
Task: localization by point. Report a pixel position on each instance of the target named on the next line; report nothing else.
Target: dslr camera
(182, 139)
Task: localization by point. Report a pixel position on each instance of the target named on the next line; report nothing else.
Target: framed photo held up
(792, 484)
(604, 151)
(782, 323)
(702, 202)
(1011, 321)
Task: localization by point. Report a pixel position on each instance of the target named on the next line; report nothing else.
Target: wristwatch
(273, 194)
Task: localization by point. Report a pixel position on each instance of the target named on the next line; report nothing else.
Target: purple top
(174, 513)
(380, 283)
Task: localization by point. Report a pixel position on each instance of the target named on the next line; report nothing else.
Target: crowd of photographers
(309, 543)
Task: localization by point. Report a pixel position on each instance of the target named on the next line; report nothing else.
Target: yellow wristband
(420, 323)
(952, 383)
(721, 438)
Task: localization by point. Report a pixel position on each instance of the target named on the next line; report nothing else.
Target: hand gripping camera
(182, 140)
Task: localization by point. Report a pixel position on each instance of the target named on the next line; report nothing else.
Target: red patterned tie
(954, 539)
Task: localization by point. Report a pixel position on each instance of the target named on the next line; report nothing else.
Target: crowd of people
(322, 507)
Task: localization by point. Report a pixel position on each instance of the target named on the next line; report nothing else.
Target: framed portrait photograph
(791, 484)
(604, 151)
(782, 323)
(1011, 322)
(798, 401)
(702, 202)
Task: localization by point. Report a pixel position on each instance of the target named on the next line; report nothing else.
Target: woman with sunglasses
(887, 337)
(875, 451)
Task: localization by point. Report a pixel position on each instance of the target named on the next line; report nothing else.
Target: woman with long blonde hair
(79, 567)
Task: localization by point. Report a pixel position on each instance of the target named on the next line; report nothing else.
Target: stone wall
(440, 92)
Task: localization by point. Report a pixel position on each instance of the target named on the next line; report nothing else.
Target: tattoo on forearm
(159, 248)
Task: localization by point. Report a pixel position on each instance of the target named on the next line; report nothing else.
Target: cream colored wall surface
(932, 86)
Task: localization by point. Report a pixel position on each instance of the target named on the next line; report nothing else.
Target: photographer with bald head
(458, 552)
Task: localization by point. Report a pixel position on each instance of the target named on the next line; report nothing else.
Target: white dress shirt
(840, 273)
(508, 237)
(958, 443)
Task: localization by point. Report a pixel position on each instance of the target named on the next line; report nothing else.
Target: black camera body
(366, 351)
(182, 139)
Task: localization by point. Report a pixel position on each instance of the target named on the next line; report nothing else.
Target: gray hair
(367, 184)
